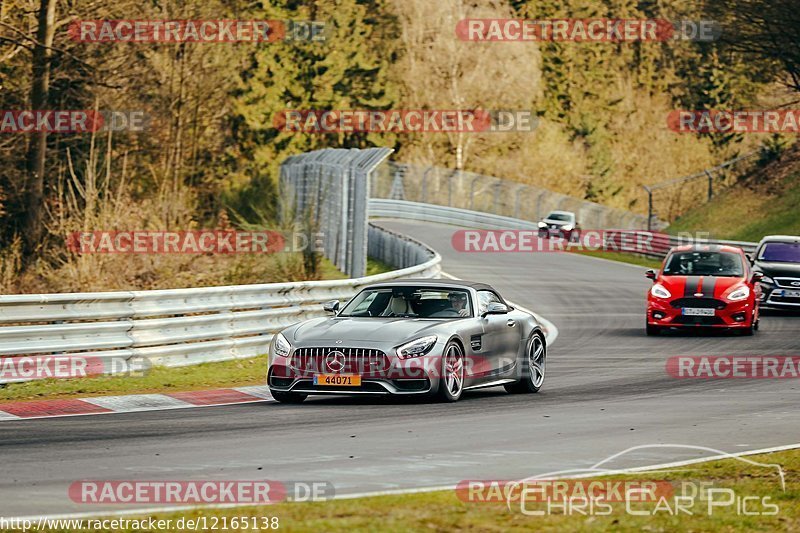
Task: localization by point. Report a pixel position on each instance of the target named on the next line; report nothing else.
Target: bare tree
(37, 153)
(439, 70)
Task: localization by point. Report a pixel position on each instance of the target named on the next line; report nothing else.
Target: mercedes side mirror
(750, 258)
(651, 274)
(496, 308)
(331, 306)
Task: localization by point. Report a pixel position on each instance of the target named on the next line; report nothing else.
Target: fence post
(649, 207)
(710, 184)
(425, 184)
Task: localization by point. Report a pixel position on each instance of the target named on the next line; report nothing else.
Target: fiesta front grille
(702, 303)
(325, 360)
(699, 320)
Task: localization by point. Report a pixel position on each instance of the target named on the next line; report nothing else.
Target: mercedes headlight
(739, 293)
(282, 346)
(542, 225)
(416, 348)
(659, 291)
(568, 227)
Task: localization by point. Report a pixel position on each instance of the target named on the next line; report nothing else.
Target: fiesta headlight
(659, 291)
(282, 346)
(739, 293)
(416, 348)
(568, 227)
(542, 225)
(767, 280)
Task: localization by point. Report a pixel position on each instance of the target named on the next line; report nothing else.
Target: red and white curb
(132, 403)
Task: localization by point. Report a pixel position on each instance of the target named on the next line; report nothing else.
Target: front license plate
(337, 380)
(697, 311)
(790, 294)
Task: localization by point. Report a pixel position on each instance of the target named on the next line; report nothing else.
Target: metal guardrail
(488, 194)
(659, 243)
(188, 326)
(380, 208)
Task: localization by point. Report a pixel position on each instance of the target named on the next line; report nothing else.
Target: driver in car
(458, 301)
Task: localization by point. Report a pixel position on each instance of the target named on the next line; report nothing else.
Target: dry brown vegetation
(211, 155)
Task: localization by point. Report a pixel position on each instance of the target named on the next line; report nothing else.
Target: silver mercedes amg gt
(435, 338)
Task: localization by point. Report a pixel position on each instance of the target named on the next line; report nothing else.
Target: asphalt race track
(606, 390)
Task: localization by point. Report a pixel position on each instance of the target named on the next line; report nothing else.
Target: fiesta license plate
(337, 380)
(697, 311)
(790, 294)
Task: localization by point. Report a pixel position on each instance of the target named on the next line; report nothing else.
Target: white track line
(153, 510)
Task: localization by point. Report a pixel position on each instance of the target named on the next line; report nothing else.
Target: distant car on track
(704, 285)
(562, 224)
(433, 338)
(777, 258)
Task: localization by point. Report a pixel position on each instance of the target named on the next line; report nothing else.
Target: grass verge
(741, 214)
(623, 258)
(238, 373)
(443, 511)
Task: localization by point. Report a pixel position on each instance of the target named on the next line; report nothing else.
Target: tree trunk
(37, 152)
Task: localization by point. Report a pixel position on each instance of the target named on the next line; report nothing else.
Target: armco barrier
(188, 326)
(488, 194)
(660, 243)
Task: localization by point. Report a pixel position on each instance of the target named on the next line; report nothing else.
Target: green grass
(443, 511)
(740, 214)
(623, 258)
(327, 270)
(236, 373)
(374, 266)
